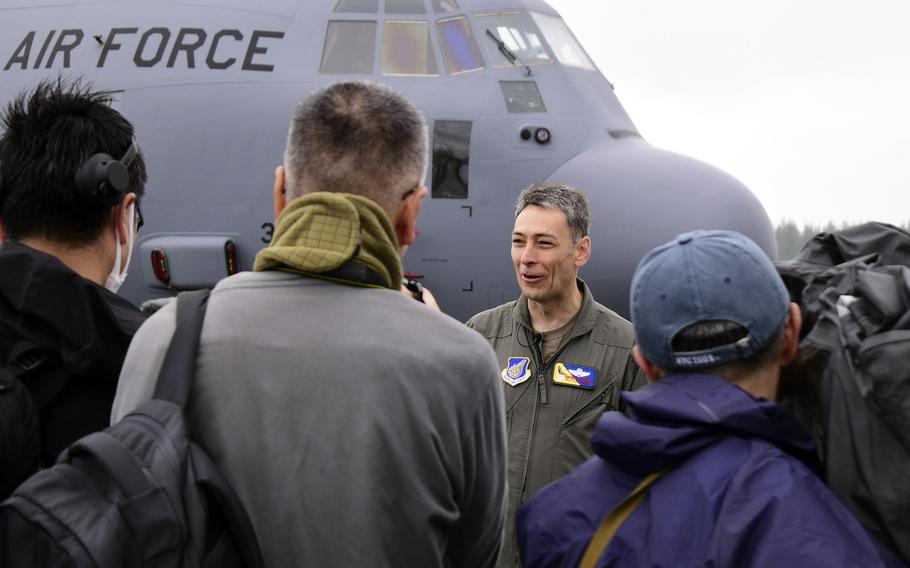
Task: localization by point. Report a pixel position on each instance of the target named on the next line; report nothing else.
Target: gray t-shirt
(358, 427)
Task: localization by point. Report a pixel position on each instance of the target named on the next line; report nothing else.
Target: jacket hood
(682, 414)
(41, 299)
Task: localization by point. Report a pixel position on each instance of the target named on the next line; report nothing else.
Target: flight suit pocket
(574, 444)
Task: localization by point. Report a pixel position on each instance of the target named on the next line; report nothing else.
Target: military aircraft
(509, 94)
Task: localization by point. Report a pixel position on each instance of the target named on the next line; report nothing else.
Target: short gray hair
(562, 196)
(356, 137)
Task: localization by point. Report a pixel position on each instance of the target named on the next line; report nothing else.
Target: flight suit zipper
(541, 376)
(542, 395)
(542, 399)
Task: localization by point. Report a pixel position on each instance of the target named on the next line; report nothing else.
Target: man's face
(545, 259)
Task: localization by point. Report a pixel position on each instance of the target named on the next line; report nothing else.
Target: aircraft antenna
(508, 53)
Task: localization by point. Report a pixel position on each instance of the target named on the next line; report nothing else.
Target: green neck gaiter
(320, 232)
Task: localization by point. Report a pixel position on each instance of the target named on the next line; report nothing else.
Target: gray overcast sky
(807, 102)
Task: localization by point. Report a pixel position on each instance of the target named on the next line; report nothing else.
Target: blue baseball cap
(706, 276)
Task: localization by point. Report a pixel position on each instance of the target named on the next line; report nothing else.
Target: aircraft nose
(640, 197)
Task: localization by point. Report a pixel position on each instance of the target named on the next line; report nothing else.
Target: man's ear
(651, 370)
(791, 335)
(405, 221)
(279, 193)
(582, 251)
(124, 222)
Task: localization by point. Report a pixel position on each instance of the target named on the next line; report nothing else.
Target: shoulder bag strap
(179, 365)
(615, 519)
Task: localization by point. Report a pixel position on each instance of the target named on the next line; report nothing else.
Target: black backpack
(853, 287)
(31, 379)
(140, 493)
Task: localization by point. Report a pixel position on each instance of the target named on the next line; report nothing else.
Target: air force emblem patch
(575, 376)
(517, 371)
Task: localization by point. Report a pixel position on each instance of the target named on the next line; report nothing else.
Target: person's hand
(421, 293)
(430, 300)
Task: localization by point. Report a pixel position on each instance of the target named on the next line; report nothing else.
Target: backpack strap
(114, 457)
(220, 493)
(179, 365)
(615, 519)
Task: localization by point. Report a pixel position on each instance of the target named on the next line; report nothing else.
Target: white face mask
(116, 278)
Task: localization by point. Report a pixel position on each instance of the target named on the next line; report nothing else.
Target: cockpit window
(350, 47)
(522, 96)
(519, 34)
(562, 42)
(405, 7)
(407, 50)
(444, 6)
(357, 6)
(459, 47)
(451, 150)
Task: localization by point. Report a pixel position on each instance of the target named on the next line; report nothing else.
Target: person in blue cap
(707, 470)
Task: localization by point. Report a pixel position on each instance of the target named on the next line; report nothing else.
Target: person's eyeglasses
(409, 192)
(139, 221)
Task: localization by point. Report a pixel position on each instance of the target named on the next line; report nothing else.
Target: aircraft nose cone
(640, 197)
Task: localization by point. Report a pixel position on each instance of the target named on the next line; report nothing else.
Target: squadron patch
(574, 375)
(517, 371)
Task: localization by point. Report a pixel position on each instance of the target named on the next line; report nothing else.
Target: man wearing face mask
(71, 177)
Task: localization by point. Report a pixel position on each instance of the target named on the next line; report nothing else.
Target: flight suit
(552, 406)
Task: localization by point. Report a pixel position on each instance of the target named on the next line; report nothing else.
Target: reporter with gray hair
(707, 470)
(358, 427)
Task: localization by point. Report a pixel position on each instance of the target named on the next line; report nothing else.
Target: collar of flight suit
(585, 320)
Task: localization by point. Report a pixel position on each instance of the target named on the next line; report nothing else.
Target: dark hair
(48, 133)
(708, 334)
(562, 196)
(715, 333)
(356, 137)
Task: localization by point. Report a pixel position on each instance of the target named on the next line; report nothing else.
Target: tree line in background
(791, 238)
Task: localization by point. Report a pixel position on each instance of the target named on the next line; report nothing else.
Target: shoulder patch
(575, 376)
(517, 371)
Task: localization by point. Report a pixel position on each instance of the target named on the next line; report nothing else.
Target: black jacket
(82, 323)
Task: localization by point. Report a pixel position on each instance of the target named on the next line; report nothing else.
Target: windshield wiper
(508, 53)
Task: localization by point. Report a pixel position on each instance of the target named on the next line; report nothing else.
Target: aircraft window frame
(454, 171)
(366, 66)
(414, 8)
(440, 8)
(562, 41)
(449, 55)
(516, 43)
(387, 54)
(355, 10)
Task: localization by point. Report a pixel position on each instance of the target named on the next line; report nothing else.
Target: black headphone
(103, 178)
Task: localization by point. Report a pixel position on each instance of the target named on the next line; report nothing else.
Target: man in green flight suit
(565, 358)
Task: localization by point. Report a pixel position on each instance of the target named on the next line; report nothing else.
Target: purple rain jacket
(742, 490)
